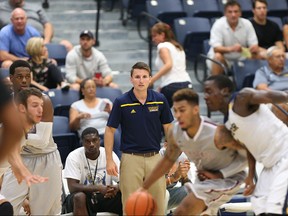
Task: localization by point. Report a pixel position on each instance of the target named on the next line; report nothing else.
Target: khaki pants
(133, 170)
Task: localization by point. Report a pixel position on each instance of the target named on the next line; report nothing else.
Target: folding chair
(165, 10)
(62, 100)
(244, 72)
(202, 8)
(66, 140)
(278, 8)
(108, 92)
(57, 52)
(191, 32)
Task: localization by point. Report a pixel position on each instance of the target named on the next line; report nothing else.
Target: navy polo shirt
(141, 124)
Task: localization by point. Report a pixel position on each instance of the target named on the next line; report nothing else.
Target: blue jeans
(177, 194)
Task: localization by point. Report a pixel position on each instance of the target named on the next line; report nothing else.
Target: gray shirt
(265, 75)
(79, 66)
(36, 16)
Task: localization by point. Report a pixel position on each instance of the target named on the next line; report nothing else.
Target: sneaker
(65, 86)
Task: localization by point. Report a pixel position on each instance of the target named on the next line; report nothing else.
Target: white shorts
(44, 198)
(271, 189)
(215, 192)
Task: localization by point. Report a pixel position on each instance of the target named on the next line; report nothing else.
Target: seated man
(267, 31)
(14, 37)
(180, 172)
(85, 61)
(231, 38)
(36, 17)
(275, 75)
(90, 187)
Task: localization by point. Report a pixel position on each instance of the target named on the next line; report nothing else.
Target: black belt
(147, 154)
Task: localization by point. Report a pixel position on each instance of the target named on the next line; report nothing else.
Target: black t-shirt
(5, 95)
(267, 34)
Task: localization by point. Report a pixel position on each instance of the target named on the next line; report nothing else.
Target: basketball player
(27, 104)
(252, 123)
(220, 172)
(40, 155)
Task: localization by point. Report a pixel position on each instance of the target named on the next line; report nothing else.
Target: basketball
(140, 203)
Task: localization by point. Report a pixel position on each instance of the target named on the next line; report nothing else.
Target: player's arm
(250, 186)
(20, 171)
(250, 97)
(75, 186)
(111, 166)
(165, 164)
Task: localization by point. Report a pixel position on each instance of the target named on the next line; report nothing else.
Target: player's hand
(204, 175)
(111, 191)
(112, 168)
(26, 207)
(249, 186)
(24, 174)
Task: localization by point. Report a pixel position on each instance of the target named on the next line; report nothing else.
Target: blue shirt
(16, 44)
(265, 75)
(141, 124)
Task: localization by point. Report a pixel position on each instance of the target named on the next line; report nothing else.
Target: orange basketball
(140, 203)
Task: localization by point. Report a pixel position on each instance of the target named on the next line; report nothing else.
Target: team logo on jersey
(153, 109)
(133, 111)
(233, 128)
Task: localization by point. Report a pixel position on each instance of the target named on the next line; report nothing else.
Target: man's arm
(249, 183)
(20, 171)
(165, 164)
(48, 32)
(4, 55)
(71, 68)
(12, 131)
(248, 97)
(75, 186)
(111, 166)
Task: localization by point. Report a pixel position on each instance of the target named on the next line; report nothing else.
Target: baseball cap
(87, 33)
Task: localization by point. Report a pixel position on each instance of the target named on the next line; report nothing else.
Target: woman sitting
(45, 73)
(90, 111)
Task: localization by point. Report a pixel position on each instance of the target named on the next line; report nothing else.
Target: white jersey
(202, 151)
(40, 140)
(77, 167)
(264, 135)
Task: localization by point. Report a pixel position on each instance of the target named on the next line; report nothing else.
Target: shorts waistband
(147, 154)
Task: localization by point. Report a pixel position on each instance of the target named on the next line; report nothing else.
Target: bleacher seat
(278, 8)
(165, 10)
(62, 100)
(244, 72)
(66, 140)
(57, 52)
(108, 92)
(4, 73)
(246, 7)
(202, 8)
(131, 9)
(190, 33)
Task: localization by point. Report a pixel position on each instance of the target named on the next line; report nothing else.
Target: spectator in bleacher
(178, 175)
(267, 31)
(85, 61)
(36, 17)
(170, 62)
(46, 75)
(275, 75)
(90, 111)
(231, 38)
(92, 189)
(14, 37)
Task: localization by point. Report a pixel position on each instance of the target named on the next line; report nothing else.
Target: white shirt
(178, 71)
(77, 167)
(221, 34)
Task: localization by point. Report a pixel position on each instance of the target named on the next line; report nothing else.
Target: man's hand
(204, 175)
(24, 174)
(112, 168)
(249, 186)
(111, 191)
